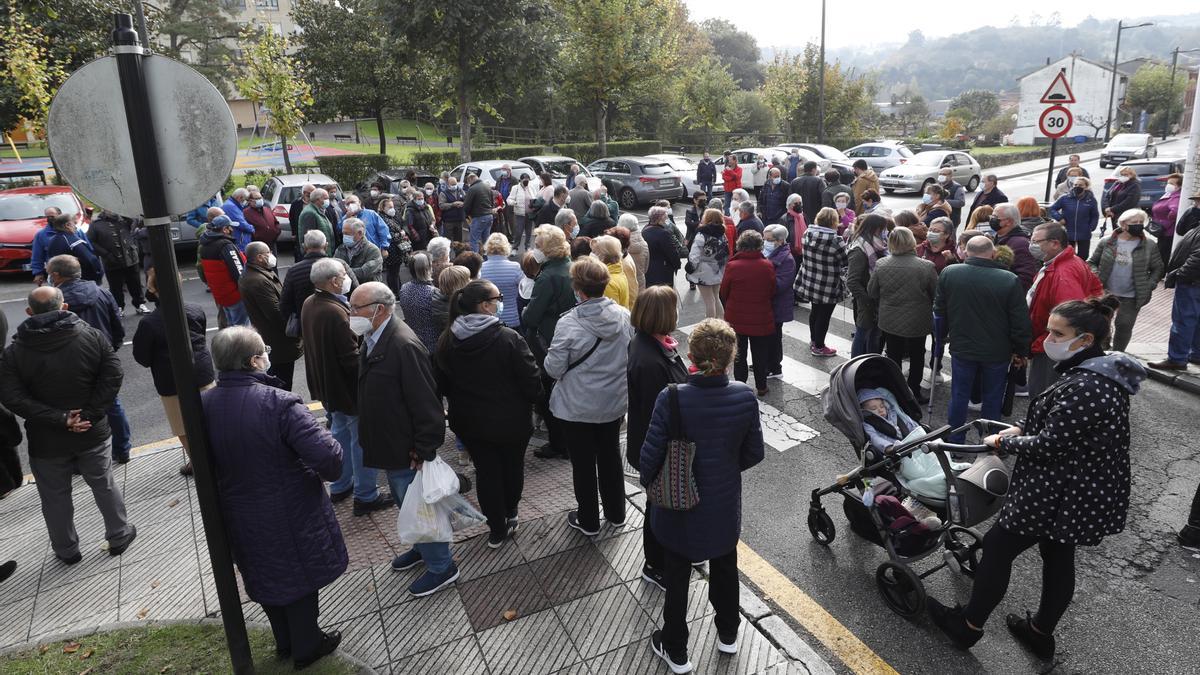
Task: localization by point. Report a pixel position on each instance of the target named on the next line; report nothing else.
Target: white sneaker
(727, 647)
(974, 406)
(143, 308)
(656, 646)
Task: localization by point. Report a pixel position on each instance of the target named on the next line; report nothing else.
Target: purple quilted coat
(272, 460)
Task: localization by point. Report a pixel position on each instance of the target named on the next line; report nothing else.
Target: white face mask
(259, 203)
(1170, 187)
(841, 204)
(374, 193)
(345, 285)
(1061, 351)
(539, 256)
(1123, 178)
(943, 179)
(360, 325)
(266, 361)
(272, 261)
(391, 211)
(352, 208)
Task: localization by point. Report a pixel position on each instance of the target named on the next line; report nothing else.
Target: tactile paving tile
(461, 657)
(635, 657)
(350, 596)
(364, 637)
(475, 559)
(755, 652)
(625, 553)
(160, 508)
(547, 536)
(30, 551)
(63, 606)
(638, 501)
(56, 573)
(652, 598)
(603, 621)
(86, 623)
(175, 535)
(15, 618)
(167, 575)
(634, 519)
(391, 587)
(425, 623)
(573, 574)
(25, 520)
(530, 645)
(487, 599)
(23, 497)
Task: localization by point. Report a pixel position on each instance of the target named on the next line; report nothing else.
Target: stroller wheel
(901, 588)
(965, 546)
(820, 525)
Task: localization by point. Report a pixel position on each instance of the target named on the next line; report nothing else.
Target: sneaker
(363, 508)
(118, 549)
(654, 578)
(329, 643)
(7, 569)
(615, 524)
(336, 497)
(1040, 644)
(953, 624)
(496, 540)
(822, 351)
(1189, 536)
(432, 582)
(71, 559)
(573, 521)
(678, 663)
(143, 308)
(778, 375)
(727, 646)
(407, 560)
(513, 525)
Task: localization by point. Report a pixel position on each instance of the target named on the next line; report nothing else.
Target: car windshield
(830, 152)
(30, 206)
(517, 172)
(1127, 141)
(656, 169)
(680, 163)
(926, 159)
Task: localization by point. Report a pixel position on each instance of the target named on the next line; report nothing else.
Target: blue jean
(707, 188)
(866, 341)
(119, 424)
(1184, 343)
(992, 375)
(481, 228)
(437, 555)
(345, 429)
(236, 314)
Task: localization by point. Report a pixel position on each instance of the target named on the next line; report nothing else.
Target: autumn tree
(269, 78)
(198, 28)
(791, 90)
(705, 95)
(30, 76)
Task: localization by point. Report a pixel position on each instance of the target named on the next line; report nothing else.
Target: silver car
(637, 180)
(686, 168)
(558, 167)
(881, 155)
(922, 169)
(1124, 147)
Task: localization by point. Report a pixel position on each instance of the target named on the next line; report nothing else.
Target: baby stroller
(972, 495)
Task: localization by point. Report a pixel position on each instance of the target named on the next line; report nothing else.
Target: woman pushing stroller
(1070, 485)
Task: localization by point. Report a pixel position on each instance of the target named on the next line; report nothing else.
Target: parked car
(881, 155)
(489, 170)
(1124, 147)
(558, 166)
(21, 217)
(637, 180)
(686, 168)
(922, 170)
(835, 159)
(755, 163)
(279, 192)
(1152, 174)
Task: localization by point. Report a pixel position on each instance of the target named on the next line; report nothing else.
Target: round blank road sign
(89, 137)
(1055, 121)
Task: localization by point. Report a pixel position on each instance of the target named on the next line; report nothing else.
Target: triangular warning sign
(1059, 91)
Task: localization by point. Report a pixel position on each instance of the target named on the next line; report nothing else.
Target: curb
(1180, 380)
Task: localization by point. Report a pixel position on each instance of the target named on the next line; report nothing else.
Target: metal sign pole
(1050, 170)
(130, 54)
(1191, 183)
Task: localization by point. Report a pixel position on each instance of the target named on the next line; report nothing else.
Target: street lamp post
(821, 84)
(1171, 89)
(1112, 90)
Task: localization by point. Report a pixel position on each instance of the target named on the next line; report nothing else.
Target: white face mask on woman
(1061, 351)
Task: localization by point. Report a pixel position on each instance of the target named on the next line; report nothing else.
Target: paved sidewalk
(1149, 343)
(580, 605)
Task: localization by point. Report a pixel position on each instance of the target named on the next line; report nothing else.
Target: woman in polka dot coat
(1070, 485)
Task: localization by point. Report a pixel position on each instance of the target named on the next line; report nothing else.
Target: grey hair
(213, 212)
(53, 303)
(65, 265)
(352, 198)
(421, 267)
(438, 248)
(598, 209)
(445, 174)
(1007, 211)
(1121, 220)
(747, 207)
(776, 232)
(740, 195)
(718, 203)
(307, 188)
(255, 248)
(901, 240)
(234, 347)
(629, 222)
(658, 214)
(315, 240)
(354, 224)
(325, 269)
(792, 199)
(319, 193)
(240, 193)
(600, 192)
(564, 217)
(377, 292)
(750, 240)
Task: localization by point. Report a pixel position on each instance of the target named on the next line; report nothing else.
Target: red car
(21, 218)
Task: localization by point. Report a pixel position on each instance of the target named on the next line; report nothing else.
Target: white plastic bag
(461, 513)
(420, 522)
(439, 481)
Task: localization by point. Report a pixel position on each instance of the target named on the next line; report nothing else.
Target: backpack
(716, 249)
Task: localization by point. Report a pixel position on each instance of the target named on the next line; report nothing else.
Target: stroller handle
(957, 447)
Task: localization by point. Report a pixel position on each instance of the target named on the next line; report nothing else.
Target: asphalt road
(1137, 594)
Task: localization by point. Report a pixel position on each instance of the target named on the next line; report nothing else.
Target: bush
(350, 170)
(436, 161)
(587, 153)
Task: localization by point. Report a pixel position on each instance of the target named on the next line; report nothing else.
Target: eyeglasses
(1038, 241)
(358, 307)
(497, 298)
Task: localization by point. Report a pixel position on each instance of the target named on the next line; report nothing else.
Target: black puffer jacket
(150, 349)
(651, 368)
(58, 363)
(112, 237)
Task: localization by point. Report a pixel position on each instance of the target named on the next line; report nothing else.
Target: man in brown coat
(261, 289)
(331, 366)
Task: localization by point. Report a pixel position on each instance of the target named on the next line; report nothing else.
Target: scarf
(871, 249)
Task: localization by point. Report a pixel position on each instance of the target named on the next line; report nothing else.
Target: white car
(280, 191)
(489, 171)
(686, 168)
(755, 163)
(558, 166)
(806, 155)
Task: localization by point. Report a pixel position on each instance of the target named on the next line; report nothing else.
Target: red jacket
(747, 290)
(1067, 277)
(266, 229)
(733, 180)
(223, 265)
(730, 233)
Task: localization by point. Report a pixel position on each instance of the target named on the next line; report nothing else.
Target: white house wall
(1089, 83)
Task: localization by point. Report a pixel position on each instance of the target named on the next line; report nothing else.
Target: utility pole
(821, 84)
(1190, 183)
(1171, 98)
(1112, 90)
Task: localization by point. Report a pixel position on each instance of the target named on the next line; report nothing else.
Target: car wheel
(889, 190)
(925, 185)
(973, 183)
(627, 198)
(1103, 165)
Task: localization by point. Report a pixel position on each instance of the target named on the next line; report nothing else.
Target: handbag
(292, 329)
(674, 487)
(1154, 229)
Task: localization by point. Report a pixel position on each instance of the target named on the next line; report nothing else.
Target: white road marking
(780, 430)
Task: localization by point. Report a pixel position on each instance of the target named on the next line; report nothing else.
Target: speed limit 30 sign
(1055, 121)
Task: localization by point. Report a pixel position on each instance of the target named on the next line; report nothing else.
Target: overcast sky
(782, 23)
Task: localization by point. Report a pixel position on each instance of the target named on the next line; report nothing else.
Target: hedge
(436, 161)
(990, 161)
(350, 170)
(587, 153)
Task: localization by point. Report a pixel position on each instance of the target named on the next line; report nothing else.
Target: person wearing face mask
(260, 216)
(549, 212)
(520, 200)
(419, 222)
(902, 288)
(1163, 215)
(939, 245)
(691, 218)
(314, 217)
(224, 264)
(234, 208)
(294, 211)
(783, 303)
(834, 188)
(1124, 195)
(731, 177)
(401, 244)
(868, 245)
(1129, 267)
(450, 198)
(261, 290)
(1079, 213)
(1005, 224)
(664, 258)
(707, 258)
(706, 175)
(794, 221)
(1073, 167)
(376, 229)
(772, 197)
(956, 194)
(1064, 186)
(550, 298)
(378, 191)
(359, 253)
(841, 203)
(990, 195)
(1070, 485)
(331, 366)
(490, 381)
(933, 205)
(865, 180)
(1063, 277)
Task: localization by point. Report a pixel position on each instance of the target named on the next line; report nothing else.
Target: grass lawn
(38, 150)
(181, 648)
(1003, 149)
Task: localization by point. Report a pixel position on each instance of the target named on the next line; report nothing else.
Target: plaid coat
(822, 277)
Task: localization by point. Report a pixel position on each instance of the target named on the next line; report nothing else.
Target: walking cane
(935, 356)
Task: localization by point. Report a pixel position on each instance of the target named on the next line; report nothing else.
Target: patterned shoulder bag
(674, 487)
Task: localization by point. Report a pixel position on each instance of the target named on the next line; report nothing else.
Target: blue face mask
(575, 231)
(499, 307)
(927, 199)
(769, 248)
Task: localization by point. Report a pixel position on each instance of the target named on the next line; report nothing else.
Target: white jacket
(520, 197)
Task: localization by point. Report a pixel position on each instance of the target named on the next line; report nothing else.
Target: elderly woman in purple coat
(272, 459)
(776, 249)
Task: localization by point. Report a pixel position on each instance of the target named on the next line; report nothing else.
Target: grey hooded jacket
(595, 390)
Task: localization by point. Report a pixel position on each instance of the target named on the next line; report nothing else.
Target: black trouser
(653, 550)
(818, 322)
(124, 278)
(722, 594)
(1164, 247)
(284, 370)
(1000, 548)
(295, 626)
(899, 348)
(760, 348)
(595, 451)
(499, 478)
(1194, 517)
(775, 362)
(1083, 247)
(554, 426)
(397, 276)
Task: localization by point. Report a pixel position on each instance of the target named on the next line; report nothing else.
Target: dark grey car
(637, 180)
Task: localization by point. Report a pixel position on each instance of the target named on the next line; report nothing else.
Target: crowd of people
(543, 306)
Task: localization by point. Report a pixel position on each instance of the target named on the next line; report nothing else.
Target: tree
(1150, 89)
(791, 90)
(30, 73)
(269, 78)
(197, 27)
(999, 126)
(979, 103)
(736, 49)
(1097, 122)
(705, 87)
(749, 112)
(914, 112)
(952, 127)
(480, 49)
(618, 50)
(347, 43)
(782, 87)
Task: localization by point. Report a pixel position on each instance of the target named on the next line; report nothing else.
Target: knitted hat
(865, 395)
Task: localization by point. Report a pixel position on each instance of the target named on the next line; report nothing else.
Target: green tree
(782, 87)
(1150, 90)
(270, 79)
(981, 105)
(32, 76)
(705, 90)
(736, 49)
(480, 49)
(749, 112)
(999, 126)
(791, 89)
(914, 112)
(349, 44)
(199, 28)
